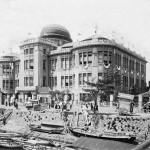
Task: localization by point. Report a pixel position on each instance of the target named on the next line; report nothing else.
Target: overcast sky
(128, 19)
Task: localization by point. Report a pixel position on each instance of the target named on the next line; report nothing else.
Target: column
(111, 100)
(140, 101)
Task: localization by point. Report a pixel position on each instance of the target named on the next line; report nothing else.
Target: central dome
(56, 31)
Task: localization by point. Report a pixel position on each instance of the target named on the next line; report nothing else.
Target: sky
(127, 21)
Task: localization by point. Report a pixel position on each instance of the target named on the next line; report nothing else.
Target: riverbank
(22, 118)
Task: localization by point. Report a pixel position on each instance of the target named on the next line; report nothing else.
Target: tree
(111, 83)
(59, 95)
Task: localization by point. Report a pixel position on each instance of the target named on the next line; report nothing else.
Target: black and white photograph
(74, 74)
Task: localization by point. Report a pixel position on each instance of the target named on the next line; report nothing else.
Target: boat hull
(50, 130)
(78, 132)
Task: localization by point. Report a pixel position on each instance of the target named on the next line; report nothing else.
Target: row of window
(131, 65)
(8, 84)
(84, 77)
(66, 63)
(8, 68)
(29, 51)
(28, 81)
(28, 64)
(85, 58)
(103, 56)
(53, 64)
(67, 81)
(53, 81)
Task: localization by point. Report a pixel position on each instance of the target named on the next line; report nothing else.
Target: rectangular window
(89, 57)
(89, 76)
(84, 78)
(16, 83)
(31, 81)
(44, 81)
(137, 83)
(17, 68)
(26, 64)
(100, 57)
(55, 79)
(31, 64)
(67, 63)
(66, 81)
(80, 79)
(11, 84)
(26, 51)
(70, 62)
(142, 68)
(4, 84)
(26, 81)
(74, 79)
(84, 58)
(62, 81)
(131, 81)
(62, 63)
(125, 62)
(131, 65)
(70, 80)
(137, 67)
(31, 50)
(7, 84)
(44, 51)
(55, 64)
(44, 64)
(80, 58)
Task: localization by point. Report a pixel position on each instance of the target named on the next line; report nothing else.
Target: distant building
(54, 62)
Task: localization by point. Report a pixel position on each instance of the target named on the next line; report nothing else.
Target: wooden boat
(105, 135)
(8, 143)
(46, 124)
(9, 135)
(35, 143)
(45, 129)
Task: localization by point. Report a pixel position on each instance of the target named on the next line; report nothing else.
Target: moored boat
(105, 135)
(47, 129)
(9, 143)
(35, 143)
(46, 124)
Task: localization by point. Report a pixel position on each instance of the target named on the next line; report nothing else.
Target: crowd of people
(132, 125)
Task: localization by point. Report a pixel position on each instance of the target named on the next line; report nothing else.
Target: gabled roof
(101, 144)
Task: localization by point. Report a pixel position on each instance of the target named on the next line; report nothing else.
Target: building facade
(54, 62)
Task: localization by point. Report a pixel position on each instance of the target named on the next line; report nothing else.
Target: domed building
(56, 33)
(53, 62)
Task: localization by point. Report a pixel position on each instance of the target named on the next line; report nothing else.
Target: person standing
(131, 107)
